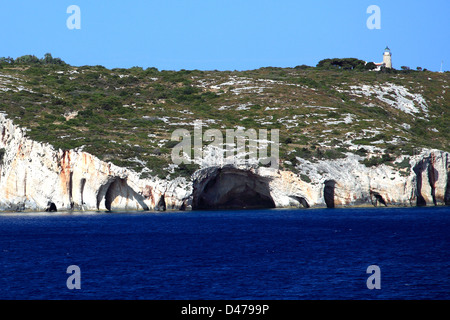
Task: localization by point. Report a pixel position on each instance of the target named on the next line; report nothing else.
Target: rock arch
(119, 188)
(376, 198)
(302, 201)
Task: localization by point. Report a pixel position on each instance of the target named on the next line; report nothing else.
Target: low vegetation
(126, 116)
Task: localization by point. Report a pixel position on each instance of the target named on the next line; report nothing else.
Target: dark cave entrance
(378, 198)
(328, 193)
(111, 192)
(232, 189)
(51, 207)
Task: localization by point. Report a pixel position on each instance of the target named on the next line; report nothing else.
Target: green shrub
(305, 178)
(288, 140)
(344, 64)
(186, 170)
(375, 161)
(171, 144)
(186, 94)
(50, 117)
(361, 152)
(109, 103)
(303, 67)
(404, 164)
(304, 153)
(27, 59)
(36, 71)
(87, 113)
(333, 154)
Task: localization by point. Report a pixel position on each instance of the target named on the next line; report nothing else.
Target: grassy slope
(127, 115)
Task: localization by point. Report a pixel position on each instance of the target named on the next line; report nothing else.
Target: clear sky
(227, 34)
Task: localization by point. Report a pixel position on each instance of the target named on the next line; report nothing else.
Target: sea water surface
(249, 254)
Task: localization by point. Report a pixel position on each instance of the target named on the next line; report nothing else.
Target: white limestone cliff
(35, 176)
(347, 182)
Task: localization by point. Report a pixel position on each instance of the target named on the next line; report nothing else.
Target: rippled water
(255, 254)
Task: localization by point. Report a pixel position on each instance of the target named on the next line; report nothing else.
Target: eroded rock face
(334, 183)
(347, 182)
(32, 175)
(431, 179)
(35, 176)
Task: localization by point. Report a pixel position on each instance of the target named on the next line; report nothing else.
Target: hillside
(127, 116)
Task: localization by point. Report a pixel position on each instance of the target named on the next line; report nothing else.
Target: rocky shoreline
(37, 177)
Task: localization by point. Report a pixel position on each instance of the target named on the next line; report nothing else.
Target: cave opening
(302, 201)
(82, 184)
(418, 169)
(118, 188)
(328, 193)
(433, 176)
(233, 189)
(161, 206)
(110, 194)
(51, 207)
(378, 199)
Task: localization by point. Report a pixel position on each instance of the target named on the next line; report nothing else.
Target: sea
(274, 254)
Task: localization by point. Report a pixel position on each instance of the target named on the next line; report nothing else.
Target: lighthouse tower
(387, 58)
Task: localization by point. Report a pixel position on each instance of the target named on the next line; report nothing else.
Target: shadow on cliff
(119, 188)
(376, 198)
(433, 176)
(231, 188)
(329, 192)
(447, 191)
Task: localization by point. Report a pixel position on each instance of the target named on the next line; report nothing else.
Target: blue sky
(227, 34)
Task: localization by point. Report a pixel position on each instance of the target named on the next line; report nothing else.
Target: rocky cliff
(36, 176)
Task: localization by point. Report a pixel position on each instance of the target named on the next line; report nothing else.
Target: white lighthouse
(387, 58)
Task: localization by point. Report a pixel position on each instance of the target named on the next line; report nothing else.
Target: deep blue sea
(215, 255)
